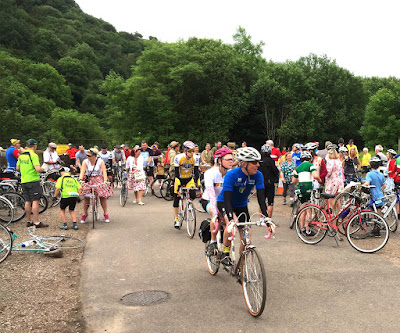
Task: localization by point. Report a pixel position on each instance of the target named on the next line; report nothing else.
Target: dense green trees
(65, 76)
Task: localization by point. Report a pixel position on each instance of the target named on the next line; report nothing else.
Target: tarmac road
(321, 288)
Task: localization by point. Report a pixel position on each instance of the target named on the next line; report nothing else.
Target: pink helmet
(222, 152)
(188, 145)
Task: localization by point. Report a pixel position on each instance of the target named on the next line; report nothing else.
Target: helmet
(248, 154)
(222, 152)
(188, 145)
(305, 155)
(375, 162)
(332, 146)
(392, 151)
(297, 145)
(311, 146)
(343, 149)
(266, 148)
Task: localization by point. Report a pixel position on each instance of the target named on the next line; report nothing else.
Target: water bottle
(27, 243)
(245, 234)
(344, 214)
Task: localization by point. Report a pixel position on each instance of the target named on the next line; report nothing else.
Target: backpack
(204, 232)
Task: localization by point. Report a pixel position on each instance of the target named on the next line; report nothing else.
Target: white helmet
(305, 155)
(343, 149)
(392, 151)
(248, 154)
(311, 146)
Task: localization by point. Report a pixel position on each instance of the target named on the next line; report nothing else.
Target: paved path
(318, 288)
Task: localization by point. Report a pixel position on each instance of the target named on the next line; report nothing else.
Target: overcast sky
(362, 36)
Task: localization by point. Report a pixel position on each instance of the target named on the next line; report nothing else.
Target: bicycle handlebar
(263, 222)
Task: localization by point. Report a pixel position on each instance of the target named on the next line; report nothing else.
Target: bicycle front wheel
(167, 189)
(6, 211)
(212, 260)
(295, 209)
(392, 220)
(147, 187)
(43, 204)
(18, 203)
(48, 191)
(311, 217)
(156, 188)
(254, 282)
(190, 220)
(5, 243)
(367, 232)
(123, 197)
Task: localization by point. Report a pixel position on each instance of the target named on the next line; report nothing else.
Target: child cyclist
(213, 182)
(70, 190)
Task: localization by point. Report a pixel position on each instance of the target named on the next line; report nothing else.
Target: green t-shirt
(69, 186)
(304, 173)
(27, 167)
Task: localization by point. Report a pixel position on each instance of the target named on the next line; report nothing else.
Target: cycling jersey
(106, 157)
(184, 166)
(118, 156)
(12, 155)
(304, 173)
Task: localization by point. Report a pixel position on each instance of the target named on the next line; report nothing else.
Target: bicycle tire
(167, 189)
(317, 222)
(212, 260)
(341, 200)
(190, 220)
(123, 197)
(48, 190)
(61, 241)
(18, 203)
(254, 282)
(146, 190)
(181, 213)
(6, 243)
(43, 204)
(6, 211)
(198, 206)
(295, 209)
(156, 187)
(94, 214)
(359, 233)
(392, 219)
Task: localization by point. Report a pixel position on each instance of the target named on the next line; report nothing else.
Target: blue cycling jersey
(241, 185)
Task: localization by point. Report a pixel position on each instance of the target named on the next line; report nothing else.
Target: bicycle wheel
(295, 209)
(212, 260)
(48, 191)
(156, 187)
(254, 282)
(43, 204)
(190, 220)
(61, 241)
(368, 234)
(94, 209)
(6, 243)
(167, 189)
(316, 219)
(341, 200)
(6, 211)
(392, 220)
(18, 203)
(198, 206)
(146, 190)
(124, 194)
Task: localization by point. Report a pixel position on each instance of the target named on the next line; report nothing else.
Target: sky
(362, 36)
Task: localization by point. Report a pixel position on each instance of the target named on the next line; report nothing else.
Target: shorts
(185, 182)
(68, 202)
(237, 210)
(150, 172)
(31, 191)
(205, 204)
(269, 191)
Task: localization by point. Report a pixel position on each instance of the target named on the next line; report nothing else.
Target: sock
(227, 249)
(65, 224)
(213, 241)
(176, 219)
(74, 223)
(303, 229)
(308, 232)
(36, 223)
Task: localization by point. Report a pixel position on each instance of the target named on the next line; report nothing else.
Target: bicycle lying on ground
(247, 267)
(48, 245)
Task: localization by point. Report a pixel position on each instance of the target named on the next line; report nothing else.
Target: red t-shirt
(71, 152)
(392, 167)
(275, 153)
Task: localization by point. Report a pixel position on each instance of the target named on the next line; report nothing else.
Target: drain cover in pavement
(142, 298)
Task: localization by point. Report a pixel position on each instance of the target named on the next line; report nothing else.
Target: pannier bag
(204, 232)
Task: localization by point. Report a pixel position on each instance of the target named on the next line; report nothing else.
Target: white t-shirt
(51, 157)
(213, 178)
(96, 168)
(106, 156)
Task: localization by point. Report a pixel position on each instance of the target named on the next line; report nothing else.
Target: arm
(15, 153)
(103, 170)
(83, 171)
(316, 176)
(196, 173)
(261, 201)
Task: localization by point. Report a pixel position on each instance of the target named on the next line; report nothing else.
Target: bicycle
(248, 269)
(94, 203)
(315, 197)
(123, 197)
(186, 211)
(360, 225)
(48, 245)
(118, 169)
(6, 211)
(167, 189)
(388, 209)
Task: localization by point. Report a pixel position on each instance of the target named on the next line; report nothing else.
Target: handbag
(139, 176)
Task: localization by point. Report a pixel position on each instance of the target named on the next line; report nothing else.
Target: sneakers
(64, 227)
(40, 225)
(83, 218)
(284, 202)
(75, 227)
(226, 260)
(134, 201)
(310, 233)
(291, 203)
(106, 218)
(141, 203)
(177, 224)
(29, 224)
(212, 249)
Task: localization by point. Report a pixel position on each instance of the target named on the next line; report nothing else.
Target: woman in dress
(94, 172)
(136, 182)
(334, 181)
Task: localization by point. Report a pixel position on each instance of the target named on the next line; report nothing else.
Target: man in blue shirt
(296, 154)
(12, 154)
(233, 199)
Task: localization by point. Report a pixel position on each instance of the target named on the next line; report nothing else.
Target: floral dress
(135, 165)
(287, 170)
(334, 179)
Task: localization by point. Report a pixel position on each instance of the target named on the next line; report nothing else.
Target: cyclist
(233, 199)
(12, 154)
(213, 181)
(296, 153)
(185, 166)
(303, 176)
(117, 156)
(107, 158)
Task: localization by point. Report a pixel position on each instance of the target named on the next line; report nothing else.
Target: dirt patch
(40, 293)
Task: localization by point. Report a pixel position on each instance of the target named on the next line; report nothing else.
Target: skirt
(136, 186)
(103, 191)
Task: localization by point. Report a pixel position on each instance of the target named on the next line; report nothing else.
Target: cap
(173, 144)
(117, 147)
(31, 142)
(103, 146)
(14, 141)
(65, 169)
(52, 145)
(70, 144)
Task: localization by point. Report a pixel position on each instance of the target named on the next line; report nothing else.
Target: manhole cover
(142, 298)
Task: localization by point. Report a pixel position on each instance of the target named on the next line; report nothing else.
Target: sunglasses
(254, 162)
(88, 155)
(190, 150)
(228, 159)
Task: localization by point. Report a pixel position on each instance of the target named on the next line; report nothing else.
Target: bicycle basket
(204, 232)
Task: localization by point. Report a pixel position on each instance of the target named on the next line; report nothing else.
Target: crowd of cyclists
(232, 174)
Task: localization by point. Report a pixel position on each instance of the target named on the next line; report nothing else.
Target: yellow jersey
(185, 165)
